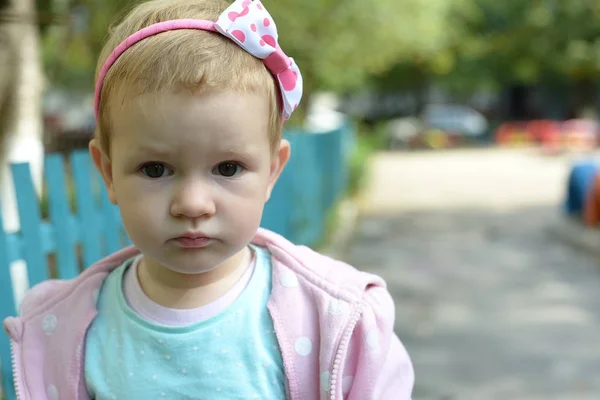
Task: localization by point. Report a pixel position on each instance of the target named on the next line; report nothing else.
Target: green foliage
(341, 44)
(338, 44)
(369, 140)
(515, 41)
(491, 43)
(70, 50)
(44, 7)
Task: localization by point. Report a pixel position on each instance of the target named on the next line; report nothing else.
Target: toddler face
(191, 174)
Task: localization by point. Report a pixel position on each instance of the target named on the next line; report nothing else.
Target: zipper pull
(14, 328)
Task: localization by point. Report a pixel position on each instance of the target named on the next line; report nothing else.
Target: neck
(184, 291)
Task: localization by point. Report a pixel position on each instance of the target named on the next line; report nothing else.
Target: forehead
(186, 119)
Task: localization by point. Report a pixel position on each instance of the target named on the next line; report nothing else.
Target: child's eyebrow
(243, 152)
(237, 153)
(146, 149)
(237, 150)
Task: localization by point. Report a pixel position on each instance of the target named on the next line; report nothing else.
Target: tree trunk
(21, 127)
(585, 98)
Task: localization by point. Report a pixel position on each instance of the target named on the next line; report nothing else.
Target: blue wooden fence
(57, 245)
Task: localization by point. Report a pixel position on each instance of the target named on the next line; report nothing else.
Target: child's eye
(228, 169)
(155, 170)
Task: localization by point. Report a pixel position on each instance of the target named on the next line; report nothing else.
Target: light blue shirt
(234, 355)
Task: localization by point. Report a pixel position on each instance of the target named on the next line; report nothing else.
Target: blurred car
(438, 126)
(371, 107)
(455, 119)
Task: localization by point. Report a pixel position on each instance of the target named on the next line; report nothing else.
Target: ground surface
(489, 305)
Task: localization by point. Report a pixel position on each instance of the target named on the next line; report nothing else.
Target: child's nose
(193, 200)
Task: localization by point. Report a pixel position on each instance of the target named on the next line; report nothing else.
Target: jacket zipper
(337, 361)
(16, 370)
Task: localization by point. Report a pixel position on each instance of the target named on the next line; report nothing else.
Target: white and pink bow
(250, 25)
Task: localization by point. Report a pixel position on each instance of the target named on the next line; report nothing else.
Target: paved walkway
(488, 305)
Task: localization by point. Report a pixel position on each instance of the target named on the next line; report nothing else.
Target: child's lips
(193, 240)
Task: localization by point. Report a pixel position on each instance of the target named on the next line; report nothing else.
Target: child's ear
(278, 162)
(103, 166)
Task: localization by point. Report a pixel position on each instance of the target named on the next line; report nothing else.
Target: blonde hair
(189, 60)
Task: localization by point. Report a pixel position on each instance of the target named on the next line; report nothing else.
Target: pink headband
(245, 22)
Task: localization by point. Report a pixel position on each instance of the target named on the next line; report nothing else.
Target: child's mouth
(193, 241)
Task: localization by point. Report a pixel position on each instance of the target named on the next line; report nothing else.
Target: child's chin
(192, 269)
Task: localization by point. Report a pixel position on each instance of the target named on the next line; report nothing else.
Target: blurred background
(471, 180)
(408, 70)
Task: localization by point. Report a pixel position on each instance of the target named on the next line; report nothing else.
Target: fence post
(276, 215)
(31, 224)
(7, 308)
(86, 207)
(61, 217)
(305, 218)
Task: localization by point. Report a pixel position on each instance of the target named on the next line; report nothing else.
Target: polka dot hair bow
(245, 22)
(250, 25)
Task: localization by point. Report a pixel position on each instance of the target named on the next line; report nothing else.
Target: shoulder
(337, 278)
(356, 314)
(56, 293)
(377, 365)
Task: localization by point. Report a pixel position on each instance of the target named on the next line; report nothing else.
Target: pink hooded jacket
(334, 325)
